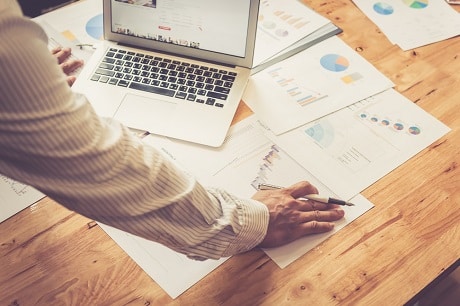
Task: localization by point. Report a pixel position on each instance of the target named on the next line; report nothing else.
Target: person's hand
(291, 219)
(67, 65)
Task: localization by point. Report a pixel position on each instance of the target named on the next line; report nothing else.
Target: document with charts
(83, 28)
(246, 159)
(412, 23)
(362, 142)
(285, 28)
(15, 196)
(312, 83)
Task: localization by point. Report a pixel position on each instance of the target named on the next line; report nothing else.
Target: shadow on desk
(34, 8)
(443, 291)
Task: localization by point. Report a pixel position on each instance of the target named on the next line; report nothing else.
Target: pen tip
(350, 204)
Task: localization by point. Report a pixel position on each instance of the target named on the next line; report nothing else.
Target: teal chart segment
(416, 4)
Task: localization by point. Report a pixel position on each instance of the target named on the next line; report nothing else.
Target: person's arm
(50, 138)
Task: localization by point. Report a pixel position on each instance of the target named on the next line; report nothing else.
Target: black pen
(313, 197)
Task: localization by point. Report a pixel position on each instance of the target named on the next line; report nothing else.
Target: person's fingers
(321, 216)
(61, 53)
(56, 50)
(71, 80)
(301, 188)
(314, 227)
(71, 65)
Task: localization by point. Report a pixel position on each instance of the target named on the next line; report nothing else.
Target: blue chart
(334, 62)
(322, 132)
(94, 27)
(300, 94)
(383, 8)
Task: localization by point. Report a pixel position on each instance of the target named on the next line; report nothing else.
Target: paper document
(312, 83)
(172, 271)
(363, 142)
(246, 159)
(15, 196)
(282, 24)
(75, 24)
(412, 23)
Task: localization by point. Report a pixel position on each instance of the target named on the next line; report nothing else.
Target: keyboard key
(105, 72)
(181, 95)
(216, 95)
(148, 88)
(123, 83)
(222, 90)
(106, 66)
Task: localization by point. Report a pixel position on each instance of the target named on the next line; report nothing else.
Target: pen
(314, 197)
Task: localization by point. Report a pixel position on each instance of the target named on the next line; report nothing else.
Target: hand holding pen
(313, 197)
(292, 217)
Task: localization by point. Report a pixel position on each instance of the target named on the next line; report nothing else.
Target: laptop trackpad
(145, 113)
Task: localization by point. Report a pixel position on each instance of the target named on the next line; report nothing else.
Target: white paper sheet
(15, 196)
(172, 271)
(412, 23)
(246, 159)
(74, 24)
(313, 83)
(282, 23)
(363, 142)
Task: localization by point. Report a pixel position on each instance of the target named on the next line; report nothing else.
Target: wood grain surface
(52, 256)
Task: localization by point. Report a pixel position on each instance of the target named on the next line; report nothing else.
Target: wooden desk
(51, 256)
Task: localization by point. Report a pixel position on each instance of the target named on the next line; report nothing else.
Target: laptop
(176, 68)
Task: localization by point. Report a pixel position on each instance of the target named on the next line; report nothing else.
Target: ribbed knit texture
(51, 139)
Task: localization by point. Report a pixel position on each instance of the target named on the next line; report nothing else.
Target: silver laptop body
(176, 68)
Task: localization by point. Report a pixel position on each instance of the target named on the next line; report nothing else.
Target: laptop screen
(219, 26)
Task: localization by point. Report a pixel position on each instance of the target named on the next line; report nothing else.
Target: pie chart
(334, 62)
(414, 130)
(417, 4)
(383, 8)
(94, 27)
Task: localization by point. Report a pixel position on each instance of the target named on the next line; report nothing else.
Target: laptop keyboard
(164, 76)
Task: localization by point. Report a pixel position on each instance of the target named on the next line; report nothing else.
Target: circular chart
(414, 130)
(281, 32)
(398, 126)
(417, 4)
(94, 27)
(334, 62)
(383, 8)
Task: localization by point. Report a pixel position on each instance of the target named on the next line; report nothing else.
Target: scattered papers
(246, 159)
(312, 83)
(412, 23)
(363, 142)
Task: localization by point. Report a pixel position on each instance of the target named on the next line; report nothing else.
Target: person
(52, 139)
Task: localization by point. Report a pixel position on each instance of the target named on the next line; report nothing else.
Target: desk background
(51, 256)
